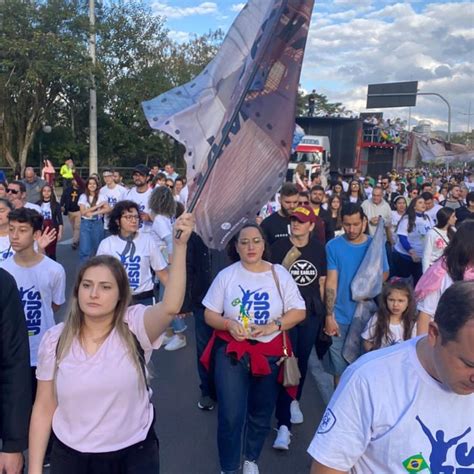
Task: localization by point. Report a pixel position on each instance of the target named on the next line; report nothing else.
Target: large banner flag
(236, 119)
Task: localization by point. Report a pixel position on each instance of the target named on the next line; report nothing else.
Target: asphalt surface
(188, 435)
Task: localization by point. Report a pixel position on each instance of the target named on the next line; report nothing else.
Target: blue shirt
(346, 257)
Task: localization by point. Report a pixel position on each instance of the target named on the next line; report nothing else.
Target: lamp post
(93, 161)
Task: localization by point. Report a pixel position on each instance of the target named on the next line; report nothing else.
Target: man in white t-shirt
(140, 194)
(432, 207)
(407, 408)
(40, 280)
(110, 194)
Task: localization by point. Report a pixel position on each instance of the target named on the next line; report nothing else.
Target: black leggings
(140, 458)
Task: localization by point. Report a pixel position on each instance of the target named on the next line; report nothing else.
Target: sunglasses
(12, 191)
(303, 203)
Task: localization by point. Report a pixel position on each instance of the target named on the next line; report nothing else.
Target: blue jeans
(91, 234)
(243, 401)
(203, 333)
(303, 337)
(178, 325)
(334, 362)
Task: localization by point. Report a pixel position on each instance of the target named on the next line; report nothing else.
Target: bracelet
(226, 324)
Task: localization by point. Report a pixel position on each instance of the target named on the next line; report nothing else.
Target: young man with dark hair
(407, 408)
(316, 197)
(304, 257)
(110, 194)
(40, 280)
(432, 207)
(15, 377)
(344, 255)
(277, 225)
(467, 211)
(453, 200)
(140, 194)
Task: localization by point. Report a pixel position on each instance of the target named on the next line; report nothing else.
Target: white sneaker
(167, 339)
(176, 342)
(250, 468)
(296, 413)
(282, 441)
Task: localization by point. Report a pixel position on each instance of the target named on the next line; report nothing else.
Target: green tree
(322, 105)
(42, 49)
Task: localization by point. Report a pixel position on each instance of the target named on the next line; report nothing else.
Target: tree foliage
(323, 108)
(45, 77)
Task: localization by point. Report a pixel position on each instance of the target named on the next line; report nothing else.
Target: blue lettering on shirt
(32, 306)
(258, 303)
(131, 263)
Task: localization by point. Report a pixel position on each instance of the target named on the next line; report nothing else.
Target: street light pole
(93, 161)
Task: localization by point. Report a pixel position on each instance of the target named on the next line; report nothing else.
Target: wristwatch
(278, 323)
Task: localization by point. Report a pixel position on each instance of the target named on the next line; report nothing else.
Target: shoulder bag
(291, 371)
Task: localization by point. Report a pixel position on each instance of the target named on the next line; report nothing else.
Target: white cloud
(173, 12)
(179, 36)
(392, 42)
(236, 7)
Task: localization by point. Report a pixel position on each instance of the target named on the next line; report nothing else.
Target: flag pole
(230, 123)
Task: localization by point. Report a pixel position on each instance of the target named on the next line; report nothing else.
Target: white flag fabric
(245, 98)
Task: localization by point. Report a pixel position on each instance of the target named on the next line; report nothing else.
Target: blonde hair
(75, 319)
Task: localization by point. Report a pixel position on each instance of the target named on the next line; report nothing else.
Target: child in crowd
(394, 322)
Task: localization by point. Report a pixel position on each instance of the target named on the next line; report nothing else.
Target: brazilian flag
(415, 463)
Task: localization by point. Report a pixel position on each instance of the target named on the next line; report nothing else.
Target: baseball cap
(304, 214)
(141, 169)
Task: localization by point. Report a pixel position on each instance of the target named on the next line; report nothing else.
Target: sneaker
(282, 441)
(167, 338)
(206, 403)
(250, 467)
(296, 413)
(176, 342)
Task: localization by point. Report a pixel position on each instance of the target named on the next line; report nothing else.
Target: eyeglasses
(255, 241)
(12, 191)
(303, 203)
(131, 217)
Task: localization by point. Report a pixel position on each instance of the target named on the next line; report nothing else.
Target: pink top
(102, 404)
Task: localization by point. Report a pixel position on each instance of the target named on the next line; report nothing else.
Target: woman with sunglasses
(138, 252)
(354, 194)
(249, 304)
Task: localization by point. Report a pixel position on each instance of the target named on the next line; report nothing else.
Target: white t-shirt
(388, 415)
(430, 303)
(84, 201)
(235, 287)
(394, 336)
(6, 250)
(395, 220)
(142, 200)
(40, 286)
(435, 243)
(431, 213)
(372, 210)
(46, 210)
(136, 259)
(162, 232)
(416, 238)
(111, 196)
(183, 196)
(35, 207)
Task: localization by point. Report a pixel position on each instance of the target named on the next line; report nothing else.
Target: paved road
(188, 435)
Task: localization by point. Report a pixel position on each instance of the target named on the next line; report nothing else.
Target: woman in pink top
(92, 387)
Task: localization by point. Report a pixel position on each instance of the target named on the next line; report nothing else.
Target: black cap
(141, 169)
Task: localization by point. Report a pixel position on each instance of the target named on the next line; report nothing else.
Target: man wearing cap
(140, 194)
(305, 258)
(110, 194)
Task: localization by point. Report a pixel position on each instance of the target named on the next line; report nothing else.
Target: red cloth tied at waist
(258, 354)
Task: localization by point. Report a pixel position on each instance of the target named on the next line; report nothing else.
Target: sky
(353, 43)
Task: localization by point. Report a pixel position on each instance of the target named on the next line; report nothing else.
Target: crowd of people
(371, 275)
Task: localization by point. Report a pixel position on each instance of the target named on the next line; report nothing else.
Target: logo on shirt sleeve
(327, 423)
